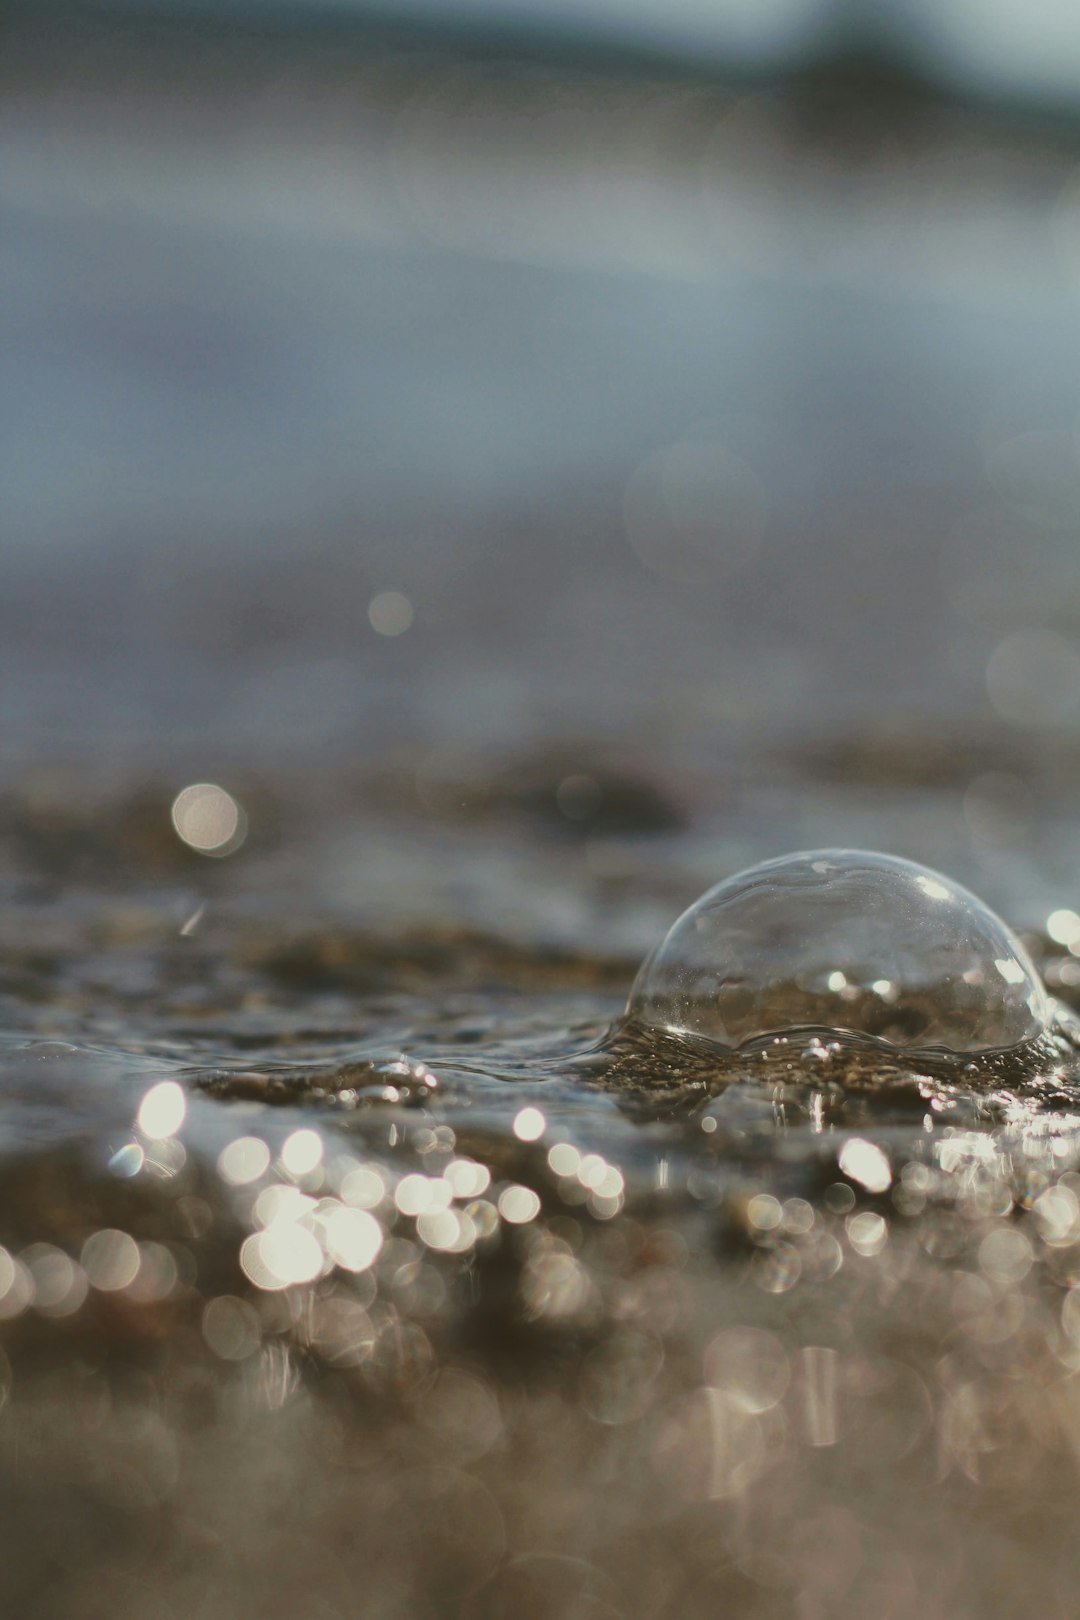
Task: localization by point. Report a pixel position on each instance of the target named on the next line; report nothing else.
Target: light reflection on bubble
(273, 1376)
(798, 1216)
(819, 1367)
(592, 1170)
(1064, 974)
(281, 1256)
(764, 1212)
(243, 1161)
(422, 1195)
(865, 1163)
(529, 1125)
(1063, 926)
(363, 1187)
(419, 1288)
(342, 1331)
(778, 1268)
(352, 1237)
(564, 1159)
(157, 1274)
(59, 1285)
(16, 1287)
(750, 1365)
(281, 1203)
(484, 1218)
(127, 1161)
(302, 1152)
(1057, 1211)
(231, 1327)
(824, 1257)
(162, 1110)
(164, 1157)
(209, 819)
(448, 1231)
(518, 1205)
(708, 1448)
(556, 1285)
(867, 1232)
(466, 1178)
(1005, 1254)
(110, 1259)
(604, 1206)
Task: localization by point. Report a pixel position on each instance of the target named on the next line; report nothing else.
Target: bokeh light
(390, 613)
(162, 1110)
(208, 819)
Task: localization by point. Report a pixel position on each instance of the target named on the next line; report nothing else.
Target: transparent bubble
(848, 941)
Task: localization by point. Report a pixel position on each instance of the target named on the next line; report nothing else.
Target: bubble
(860, 944)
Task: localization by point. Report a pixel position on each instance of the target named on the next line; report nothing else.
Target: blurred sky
(359, 396)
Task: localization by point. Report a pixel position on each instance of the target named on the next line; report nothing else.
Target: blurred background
(612, 417)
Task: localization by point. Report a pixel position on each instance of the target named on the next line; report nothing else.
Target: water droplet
(848, 942)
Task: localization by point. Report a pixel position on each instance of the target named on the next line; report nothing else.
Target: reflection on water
(407, 1268)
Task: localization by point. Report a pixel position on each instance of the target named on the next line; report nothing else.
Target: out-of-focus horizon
(989, 46)
(385, 396)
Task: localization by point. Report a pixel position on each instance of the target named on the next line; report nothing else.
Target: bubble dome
(856, 943)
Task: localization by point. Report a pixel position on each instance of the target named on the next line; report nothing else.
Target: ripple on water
(808, 1274)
